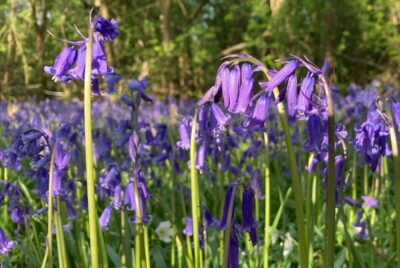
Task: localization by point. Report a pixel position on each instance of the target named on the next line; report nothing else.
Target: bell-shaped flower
(6, 245)
(64, 61)
(107, 29)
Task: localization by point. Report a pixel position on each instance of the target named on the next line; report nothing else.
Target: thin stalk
(146, 246)
(195, 194)
(294, 172)
(309, 221)
(396, 171)
(353, 183)
(49, 249)
(94, 251)
(229, 227)
(267, 202)
(365, 180)
(61, 249)
(330, 189)
(126, 258)
(140, 252)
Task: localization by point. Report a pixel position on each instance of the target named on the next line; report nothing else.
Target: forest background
(179, 43)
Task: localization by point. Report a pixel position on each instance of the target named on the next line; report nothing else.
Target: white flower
(274, 235)
(287, 245)
(165, 231)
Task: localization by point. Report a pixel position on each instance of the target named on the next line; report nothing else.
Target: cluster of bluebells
(248, 223)
(36, 146)
(70, 63)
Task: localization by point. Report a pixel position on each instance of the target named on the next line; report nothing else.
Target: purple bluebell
(99, 63)
(361, 226)
(188, 227)
(316, 132)
(64, 61)
(104, 219)
(245, 92)
(110, 177)
(306, 90)
(78, 72)
(234, 82)
(140, 85)
(233, 259)
(107, 29)
(62, 157)
(111, 80)
(225, 84)
(260, 111)
(291, 91)
(6, 245)
(371, 139)
(219, 116)
(396, 114)
(201, 155)
(249, 224)
(370, 201)
(117, 201)
(184, 133)
(285, 72)
(228, 197)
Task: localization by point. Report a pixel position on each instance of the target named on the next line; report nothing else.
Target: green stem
(61, 249)
(195, 194)
(296, 182)
(331, 185)
(309, 221)
(49, 249)
(396, 171)
(267, 202)
(229, 227)
(140, 252)
(126, 258)
(94, 251)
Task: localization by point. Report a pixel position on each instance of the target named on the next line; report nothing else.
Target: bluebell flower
(233, 259)
(140, 85)
(188, 227)
(185, 128)
(107, 29)
(249, 224)
(371, 139)
(111, 80)
(105, 217)
(306, 90)
(228, 195)
(316, 133)
(64, 61)
(6, 245)
(291, 91)
(396, 113)
(285, 72)
(370, 201)
(361, 226)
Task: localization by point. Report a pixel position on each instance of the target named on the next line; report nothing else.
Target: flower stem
(195, 194)
(331, 185)
(294, 172)
(62, 253)
(267, 202)
(94, 252)
(229, 227)
(396, 171)
(126, 258)
(49, 249)
(140, 251)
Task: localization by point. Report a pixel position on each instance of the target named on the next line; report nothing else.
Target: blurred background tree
(179, 43)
